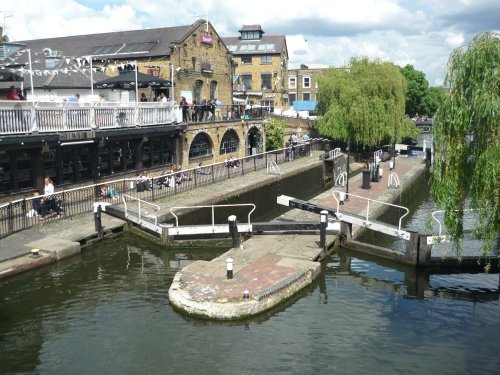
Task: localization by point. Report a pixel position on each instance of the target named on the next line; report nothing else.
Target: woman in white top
(49, 195)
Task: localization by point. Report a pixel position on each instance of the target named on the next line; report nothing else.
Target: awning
(127, 81)
(8, 76)
(305, 105)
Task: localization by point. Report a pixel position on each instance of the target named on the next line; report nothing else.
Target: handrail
(368, 206)
(393, 180)
(441, 211)
(333, 153)
(272, 168)
(155, 206)
(341, 179)
(213, 206)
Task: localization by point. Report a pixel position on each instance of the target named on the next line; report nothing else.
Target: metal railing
(367, 223)
(212, 209)
(22, 117)
(21, 214)
(140, 203)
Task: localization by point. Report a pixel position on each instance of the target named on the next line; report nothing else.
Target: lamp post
(394, 149)
(348, 149)
(31, 76)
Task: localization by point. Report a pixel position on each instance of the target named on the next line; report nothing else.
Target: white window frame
(292, 82)
(304, 82)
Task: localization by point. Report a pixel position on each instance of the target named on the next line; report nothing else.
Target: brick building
(302, 83)
(260, 63)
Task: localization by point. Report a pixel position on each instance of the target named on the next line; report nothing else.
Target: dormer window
(250, 35)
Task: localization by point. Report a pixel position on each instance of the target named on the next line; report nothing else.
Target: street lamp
(348, 149)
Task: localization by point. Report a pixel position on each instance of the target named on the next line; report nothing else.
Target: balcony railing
(21, 117)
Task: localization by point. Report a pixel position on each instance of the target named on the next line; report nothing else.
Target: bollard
(366, 179)
(391, 165)
(229, 268)
(233, 230)
(380, 172)
(323, 223)
(97, 219)
(35, 253)
(246, 294)
(341, 197)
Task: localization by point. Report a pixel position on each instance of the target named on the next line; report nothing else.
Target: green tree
(364, 103)
(417, 90)
(275, 130)
(433, 100)
(466, 172)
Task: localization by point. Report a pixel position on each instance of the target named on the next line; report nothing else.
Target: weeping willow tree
(465, 173)
(364, 103)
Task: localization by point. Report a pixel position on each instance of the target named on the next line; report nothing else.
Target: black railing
(28, 212)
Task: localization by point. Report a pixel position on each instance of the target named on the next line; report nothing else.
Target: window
(126, 68)
(213, 89)
(292, 82)
(306, 82)
(306, 96)
(250, 35)
(229, 142)
(246, 60)
(266, 81)
(197, 90)
(200, 147)
(266, 59)
(155, 72)
(292, 97)
(246, 79)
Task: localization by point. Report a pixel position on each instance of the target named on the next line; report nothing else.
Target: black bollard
(233, 230)
(97, 219)
(323, 223)
(366, 179)
(229, 268)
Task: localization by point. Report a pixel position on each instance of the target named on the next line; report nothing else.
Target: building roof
(266, 45)
(252, 28)
(119, 45)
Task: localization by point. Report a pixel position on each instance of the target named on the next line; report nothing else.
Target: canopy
(8, 76)
(127, 81)
(305, 105)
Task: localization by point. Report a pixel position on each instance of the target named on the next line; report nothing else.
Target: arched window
(197, 90)
(229, 142)
(213, 89)
(200, 146)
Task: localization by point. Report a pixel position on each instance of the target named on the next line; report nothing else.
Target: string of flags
(78, 63)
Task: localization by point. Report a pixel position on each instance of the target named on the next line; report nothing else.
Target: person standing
(12, 94)
(49, 196)
(218, 110)
(185, 109)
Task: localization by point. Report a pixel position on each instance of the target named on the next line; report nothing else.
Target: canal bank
(57, 240)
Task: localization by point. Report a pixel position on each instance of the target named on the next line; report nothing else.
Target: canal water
(107, 312)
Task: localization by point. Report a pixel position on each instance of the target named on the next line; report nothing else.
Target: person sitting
(107, 192)
(202, 170)
(40, 206)
(235, 162)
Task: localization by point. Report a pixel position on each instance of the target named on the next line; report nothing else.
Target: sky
(319, 33)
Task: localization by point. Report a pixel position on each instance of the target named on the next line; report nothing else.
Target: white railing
(22, 117)
(212, 207)
(367, 223)
(141, 202)
(393, 180)
(272, 168)
(341, 179)
(333, 153)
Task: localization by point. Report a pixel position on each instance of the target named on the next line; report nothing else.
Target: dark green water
(107, 312)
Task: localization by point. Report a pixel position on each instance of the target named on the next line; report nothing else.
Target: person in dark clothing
(39, 205)
(185, 109)
(194, 112)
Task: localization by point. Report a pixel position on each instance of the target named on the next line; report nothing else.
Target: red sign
(206, 39)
